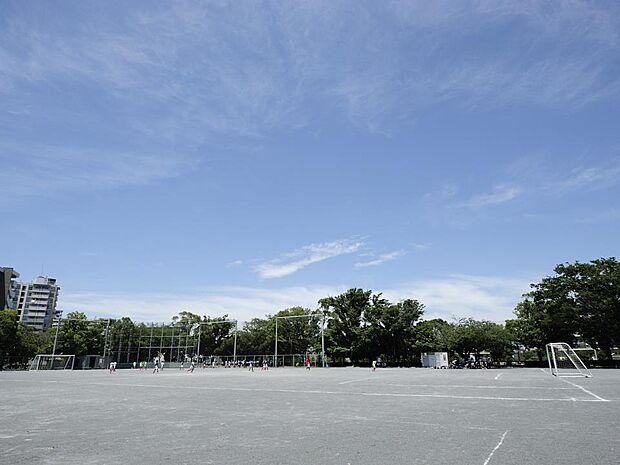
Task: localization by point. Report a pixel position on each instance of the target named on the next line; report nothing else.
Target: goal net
(564, 361)
(53, 362)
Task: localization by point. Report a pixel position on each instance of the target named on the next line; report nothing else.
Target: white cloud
(463, 296)
(499, 195)
(480, 297)
(305, 256)
(381, 259)
(241, 303)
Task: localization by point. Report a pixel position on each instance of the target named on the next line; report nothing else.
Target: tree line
(579, 303)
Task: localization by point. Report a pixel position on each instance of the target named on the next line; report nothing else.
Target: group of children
(158, 365)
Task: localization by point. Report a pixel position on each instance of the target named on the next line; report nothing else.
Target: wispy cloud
(586, 178)
(39, 169)
(305, 256)
(442, 194)
(253, 68)
(531, 176)
(181, 77)
(381, 259)
(499, 195)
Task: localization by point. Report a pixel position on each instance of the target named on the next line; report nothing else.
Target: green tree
(345, 332)
(9, 334)
(391, 330)
(596, 289)
(431, 336)
(32, 342)
(580, 300)
(77, 335)
(298, 335)
(122, 339)
(468, 336)
(186, 320)
(216, 335)
(525, 332)
(257, 337)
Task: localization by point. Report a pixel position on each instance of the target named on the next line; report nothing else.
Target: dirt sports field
(298, 417)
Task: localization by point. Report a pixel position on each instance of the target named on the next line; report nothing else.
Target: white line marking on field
(341, 393)
(496, 447)
(497, 377)
(544, 371)
(584, 390)
(356, 380)
(466, 386)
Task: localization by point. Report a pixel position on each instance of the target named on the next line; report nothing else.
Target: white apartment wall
(36, 304)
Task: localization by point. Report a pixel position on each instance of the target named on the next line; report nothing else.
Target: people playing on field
(308, 362)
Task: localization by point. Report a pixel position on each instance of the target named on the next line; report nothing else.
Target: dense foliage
(581, 302)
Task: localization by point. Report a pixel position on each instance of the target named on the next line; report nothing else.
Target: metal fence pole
(120, 340)
(105, 339)
(235, 345)
(276, 349)
(56, 339)
(323, 341)
(199, 334)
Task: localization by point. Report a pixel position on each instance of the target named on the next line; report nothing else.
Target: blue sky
(244, 157)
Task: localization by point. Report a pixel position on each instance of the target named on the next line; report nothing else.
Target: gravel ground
(322, 416)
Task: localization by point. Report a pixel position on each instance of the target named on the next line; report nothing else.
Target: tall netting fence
(97, 343)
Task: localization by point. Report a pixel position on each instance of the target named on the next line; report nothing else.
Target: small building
(434, 359)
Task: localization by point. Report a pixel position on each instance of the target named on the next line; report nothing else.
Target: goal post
(564, 361)
(52, 362)
(229, 321)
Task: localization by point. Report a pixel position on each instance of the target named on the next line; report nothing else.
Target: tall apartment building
(36, 302)
(9, 287)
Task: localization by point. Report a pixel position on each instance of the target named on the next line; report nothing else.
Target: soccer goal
(53, 362)
(564, 361)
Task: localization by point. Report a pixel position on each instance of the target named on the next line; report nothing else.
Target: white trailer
(434, 359)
